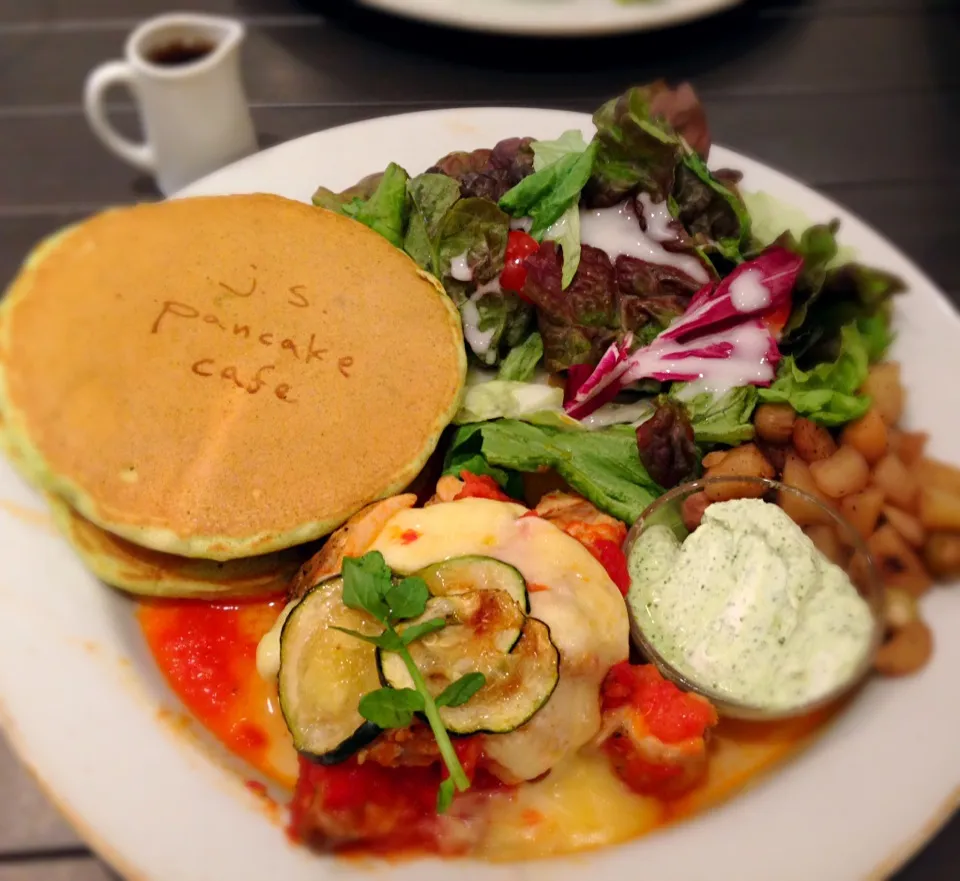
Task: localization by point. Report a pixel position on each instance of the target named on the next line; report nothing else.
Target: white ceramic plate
(79, 695)
(553, 18)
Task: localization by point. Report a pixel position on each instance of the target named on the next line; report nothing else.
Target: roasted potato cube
(899, 485)
(742, 461)
(912, 446)
(842, 474)
(941, 553)
(796, 474)
(867, 435)
(884, 387)
(826, 540)
(714, 458)
(813, 442)
(896, 562)
(907, 651)
(775, 454)
(909, 527)
(939, 509)
(774, 422)
(939, 475)
(862, 510)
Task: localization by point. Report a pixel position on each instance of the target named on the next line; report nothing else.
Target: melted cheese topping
(575, 598)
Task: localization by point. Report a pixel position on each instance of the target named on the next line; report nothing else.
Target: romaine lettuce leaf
(565, 231)
(718, 419)
(431, 197)
(876, 333)
(502, 399)
(378, 201)
(603, 466)
(521, 361)
(828, 393)
(771, 217)
(547, 152)
(546, 194)
(505, 317)
(359, 192)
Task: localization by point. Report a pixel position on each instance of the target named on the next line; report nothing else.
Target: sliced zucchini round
(323, 674)
(474, 572)
(519, 678)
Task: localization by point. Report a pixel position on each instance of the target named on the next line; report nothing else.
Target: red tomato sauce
(207, 652)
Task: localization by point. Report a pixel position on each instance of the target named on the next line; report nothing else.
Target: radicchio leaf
(721, 324)
(711, 309)
(666, 445)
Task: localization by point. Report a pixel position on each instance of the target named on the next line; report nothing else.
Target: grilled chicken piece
(350, 540)
(403, 747)
(578, 517)
(655, 735)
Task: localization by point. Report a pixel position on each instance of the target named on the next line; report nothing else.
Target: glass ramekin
(808, 512)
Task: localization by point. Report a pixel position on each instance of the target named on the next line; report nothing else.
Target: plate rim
(905, 849)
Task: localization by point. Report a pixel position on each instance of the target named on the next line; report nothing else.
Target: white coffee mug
(184, 72)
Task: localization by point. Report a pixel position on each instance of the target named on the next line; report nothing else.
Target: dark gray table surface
(859, 98)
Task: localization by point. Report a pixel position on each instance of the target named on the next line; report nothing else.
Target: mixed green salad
(625, 308)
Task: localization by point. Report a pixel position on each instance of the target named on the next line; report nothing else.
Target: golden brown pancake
(146, 572)
(222, 377)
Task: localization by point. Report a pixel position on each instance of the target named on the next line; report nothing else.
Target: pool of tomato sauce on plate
(207, 653)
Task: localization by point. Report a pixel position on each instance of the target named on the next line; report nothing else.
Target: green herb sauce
(748, 607)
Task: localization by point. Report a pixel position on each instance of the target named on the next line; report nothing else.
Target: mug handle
(99, 81)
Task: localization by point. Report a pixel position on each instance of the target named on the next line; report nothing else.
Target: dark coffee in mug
(180, 52)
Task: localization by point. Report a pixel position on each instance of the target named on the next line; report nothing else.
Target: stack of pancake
(205, 387)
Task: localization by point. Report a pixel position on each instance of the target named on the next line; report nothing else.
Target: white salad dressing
(747, 364)
(658, 218)
(748, 293)
(490, 287)
(617, 231)
(460, 268)
(478, 340)
(557, 229)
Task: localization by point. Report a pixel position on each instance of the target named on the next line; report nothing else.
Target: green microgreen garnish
(368, 586)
